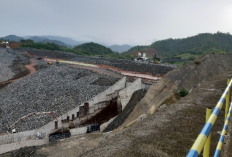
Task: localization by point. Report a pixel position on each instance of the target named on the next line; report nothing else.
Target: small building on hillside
(142, 58)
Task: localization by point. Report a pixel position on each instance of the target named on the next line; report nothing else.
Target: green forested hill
(90, 49)
(94, 49)
(202, 43)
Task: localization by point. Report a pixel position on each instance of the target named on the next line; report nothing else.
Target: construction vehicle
(156, 62)
(38, 113)
(49, 63)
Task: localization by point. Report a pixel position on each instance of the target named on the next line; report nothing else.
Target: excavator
(38, 113)
(156, 62)
(50, 62)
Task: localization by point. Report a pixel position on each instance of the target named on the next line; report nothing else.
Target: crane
(34, 113)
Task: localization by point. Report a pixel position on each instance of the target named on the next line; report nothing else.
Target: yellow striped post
(199, 143)
(207, 143)
(227, 100)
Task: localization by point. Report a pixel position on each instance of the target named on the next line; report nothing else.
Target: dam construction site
(56, 104)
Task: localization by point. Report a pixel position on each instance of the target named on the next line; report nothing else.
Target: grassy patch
(180, 64)
(183, 93)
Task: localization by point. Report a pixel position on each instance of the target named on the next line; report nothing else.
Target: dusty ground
(70, 147)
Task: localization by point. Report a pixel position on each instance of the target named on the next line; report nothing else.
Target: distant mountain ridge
(12, 38)
(35, 39)
(120, 48)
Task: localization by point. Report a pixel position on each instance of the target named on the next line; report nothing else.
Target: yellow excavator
(156, 62)
(49, 63)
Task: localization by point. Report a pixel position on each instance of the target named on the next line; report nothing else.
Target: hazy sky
(134, 22)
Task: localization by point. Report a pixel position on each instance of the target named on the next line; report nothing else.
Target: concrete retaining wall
(28, 138)
(94, 103)
(125, 94)
(23, 136)
(18, 145)
(78, 131)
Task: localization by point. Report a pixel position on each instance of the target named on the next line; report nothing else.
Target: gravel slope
(6, 60)
(12, 64)
(56, 88)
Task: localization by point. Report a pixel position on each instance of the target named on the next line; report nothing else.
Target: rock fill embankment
(11, 63)
(58, 89)
(6, 60)
(118, 63)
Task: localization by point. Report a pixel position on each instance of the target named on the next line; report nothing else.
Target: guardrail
(203, 139)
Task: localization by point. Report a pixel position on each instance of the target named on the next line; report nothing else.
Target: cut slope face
(187, 77)
(6, 60)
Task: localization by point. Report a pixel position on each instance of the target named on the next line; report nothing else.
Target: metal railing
(203, 139)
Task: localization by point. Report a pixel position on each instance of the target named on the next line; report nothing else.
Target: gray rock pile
(6, 60)
(11, 63)
(58, 89)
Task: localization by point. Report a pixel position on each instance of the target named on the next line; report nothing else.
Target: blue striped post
(223, 133)
(202, 137)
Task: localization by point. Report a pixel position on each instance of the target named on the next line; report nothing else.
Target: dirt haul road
(146, 76)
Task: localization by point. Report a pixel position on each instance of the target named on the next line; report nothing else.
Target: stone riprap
(8, 58)
(58, 89)
(118, 63)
